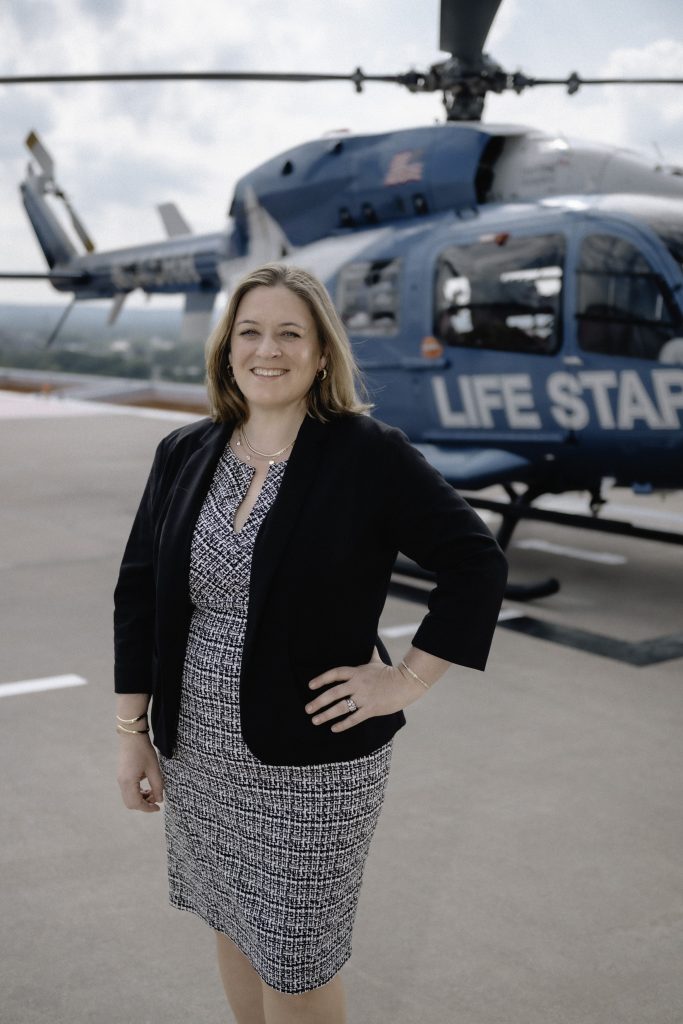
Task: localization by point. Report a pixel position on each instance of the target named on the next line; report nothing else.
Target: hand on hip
(363, 691)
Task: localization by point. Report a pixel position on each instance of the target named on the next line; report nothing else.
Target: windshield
(502, 292)
(664, 216)
(673, 240)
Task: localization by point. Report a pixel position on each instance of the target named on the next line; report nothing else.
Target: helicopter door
(370, 298)
(629, 336)
(498, 314)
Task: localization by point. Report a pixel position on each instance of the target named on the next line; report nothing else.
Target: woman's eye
(291, 334)
(247, 330)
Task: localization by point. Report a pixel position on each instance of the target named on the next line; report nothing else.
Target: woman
(248, 606)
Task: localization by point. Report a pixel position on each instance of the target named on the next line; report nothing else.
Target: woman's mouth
(262, 371)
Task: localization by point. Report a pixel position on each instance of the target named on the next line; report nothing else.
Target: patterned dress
(270, 855)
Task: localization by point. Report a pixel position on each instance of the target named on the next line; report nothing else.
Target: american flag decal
(404, 167)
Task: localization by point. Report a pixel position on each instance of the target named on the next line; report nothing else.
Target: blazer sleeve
(134, 597)
(432, 524)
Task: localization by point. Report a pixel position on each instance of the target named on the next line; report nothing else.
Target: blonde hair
(342, 390)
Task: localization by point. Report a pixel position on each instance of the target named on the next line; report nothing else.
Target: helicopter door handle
(572, 361)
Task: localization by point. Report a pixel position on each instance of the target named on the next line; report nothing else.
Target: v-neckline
(237, 461)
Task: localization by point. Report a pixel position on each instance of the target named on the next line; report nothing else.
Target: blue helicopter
(515, 299)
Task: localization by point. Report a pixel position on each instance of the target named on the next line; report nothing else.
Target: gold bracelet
(131, 732)
(131, 721)
(415, 675)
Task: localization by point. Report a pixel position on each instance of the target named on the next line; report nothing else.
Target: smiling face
(274, 348)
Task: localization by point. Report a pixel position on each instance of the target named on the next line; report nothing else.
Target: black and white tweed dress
(271, 855)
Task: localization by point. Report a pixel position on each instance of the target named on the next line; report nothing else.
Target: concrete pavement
(527, 866)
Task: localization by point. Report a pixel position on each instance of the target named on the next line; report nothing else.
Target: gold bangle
(415, 675)
(131, 732)
(131, 721)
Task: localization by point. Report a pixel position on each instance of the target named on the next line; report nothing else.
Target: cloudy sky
(121, 149)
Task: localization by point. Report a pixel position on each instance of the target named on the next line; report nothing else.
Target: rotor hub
(465, 85)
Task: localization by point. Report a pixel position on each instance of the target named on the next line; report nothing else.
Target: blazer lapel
(190, 490)
(302, 468)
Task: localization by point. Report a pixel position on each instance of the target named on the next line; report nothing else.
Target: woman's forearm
(427, 667)
(130, 705)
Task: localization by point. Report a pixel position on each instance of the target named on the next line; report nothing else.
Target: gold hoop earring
(322, 374)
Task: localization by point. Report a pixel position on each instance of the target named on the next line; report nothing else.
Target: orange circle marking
(431, 348)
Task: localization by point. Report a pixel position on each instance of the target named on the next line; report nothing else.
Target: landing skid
(519, 507)
(513, 511)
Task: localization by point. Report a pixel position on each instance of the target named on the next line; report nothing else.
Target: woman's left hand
(375, 689)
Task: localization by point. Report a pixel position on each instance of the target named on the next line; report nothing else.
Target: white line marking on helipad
(36, 685)
(604, 557)
(407, 629)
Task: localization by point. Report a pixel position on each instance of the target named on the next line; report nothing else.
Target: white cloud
(651, 113)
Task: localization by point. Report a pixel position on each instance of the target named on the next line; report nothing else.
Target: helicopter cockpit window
(368, 297)
(623, 307)
(501, 293)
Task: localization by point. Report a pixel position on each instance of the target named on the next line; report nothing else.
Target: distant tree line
(179, 361)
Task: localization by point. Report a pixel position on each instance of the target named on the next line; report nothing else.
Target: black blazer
(354, 493)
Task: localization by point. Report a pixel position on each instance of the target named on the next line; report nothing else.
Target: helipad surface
(527, 868)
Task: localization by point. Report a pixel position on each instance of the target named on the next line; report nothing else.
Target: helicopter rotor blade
(464, 80)
(414, 80)
(358, 77)
(465, 26)
(573, 82)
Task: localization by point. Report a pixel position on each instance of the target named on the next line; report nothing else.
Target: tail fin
(53, 240)
(173, 220)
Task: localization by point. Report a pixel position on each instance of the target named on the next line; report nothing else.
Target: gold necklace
(264, 455)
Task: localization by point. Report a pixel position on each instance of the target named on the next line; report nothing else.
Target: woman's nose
(268, 345)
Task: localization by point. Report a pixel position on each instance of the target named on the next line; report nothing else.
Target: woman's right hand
(137, 761)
